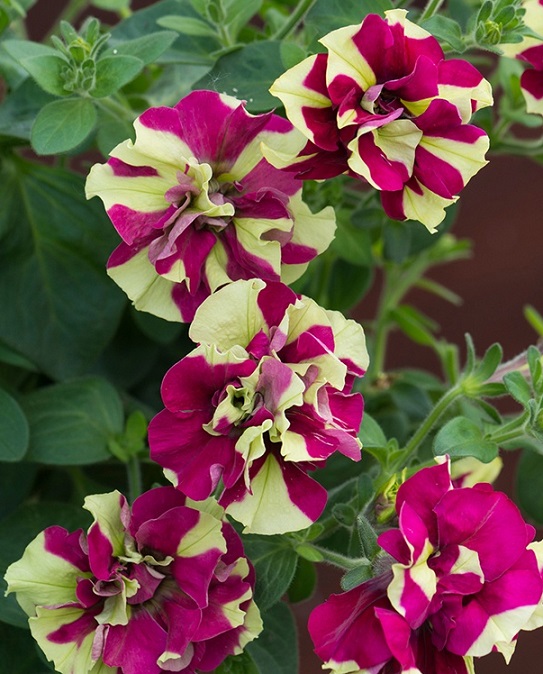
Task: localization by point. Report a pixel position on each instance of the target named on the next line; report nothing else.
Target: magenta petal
(153, 504)
(484, 521)
(423, 491)
(336, 626)
(135, 647)
(61, 543)
(214, 130)
(273, 301)
(532, 82)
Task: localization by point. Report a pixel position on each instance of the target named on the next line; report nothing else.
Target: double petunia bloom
(464, 578)
(384, 105)
(197, 205)
(263, 399)
(163, 586)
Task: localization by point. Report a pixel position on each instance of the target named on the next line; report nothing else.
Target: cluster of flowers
(208, 203)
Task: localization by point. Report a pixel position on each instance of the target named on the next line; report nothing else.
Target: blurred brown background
(500, 213)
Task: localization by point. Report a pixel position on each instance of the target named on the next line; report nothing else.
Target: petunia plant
(200, 200)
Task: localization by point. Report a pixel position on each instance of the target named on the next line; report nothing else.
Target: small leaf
(276, 649)
(489, 362)
(47, 73)
(63, 125)
(534, 318)
(13, 429)
(146, 48)
(413, 324)
(111, 5)
(275, 563)
(355, 577)
(371, 434)
(446, 30)
(72, 422)
(187, 25)
(353, 244)
(517, 387)
(113, 72)
(461, 437)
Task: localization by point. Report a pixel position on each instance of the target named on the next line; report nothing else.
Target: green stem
(442, 404)
(293, 20)
(133, 473)
(339, 560)
(431, 8)
(115, 108)
(510, 431)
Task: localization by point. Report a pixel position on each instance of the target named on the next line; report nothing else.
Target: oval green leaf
(63, 125)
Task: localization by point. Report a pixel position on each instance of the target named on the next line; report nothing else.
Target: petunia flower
(385, 106)
(163, 586)
(263, 399)
(464, 579)
(197, 205)
(530, 50)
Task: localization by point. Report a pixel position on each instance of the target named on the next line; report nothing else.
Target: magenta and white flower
(530, 50)
(163, 586)
(385, 106)
(197, 205)
(263, 399)
(464, 579)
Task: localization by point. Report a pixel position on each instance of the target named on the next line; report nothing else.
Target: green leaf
(445, 30)
(489, 362)
(238, 664)
(349, 283)
(57, 306)
(461, 437)
(413, 324)
(13, 429)
(371, 434)
(146, 48)
(19, 652)
(529, 485)
(355, 577)
(238, 13)
(17, 531)
(517, 387)
(111, 5)
(276, 649)
(327, 15)
(113, 72)
(397, 241)
(71, 423)
(63, 125)
(304, 581)
(275, 563)
(112, 130)
(18, 111)
(43, 63)
(185, 49)
(16, 482)
(534, 318)
(353, 244)
(248, 73)
(187, 25)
